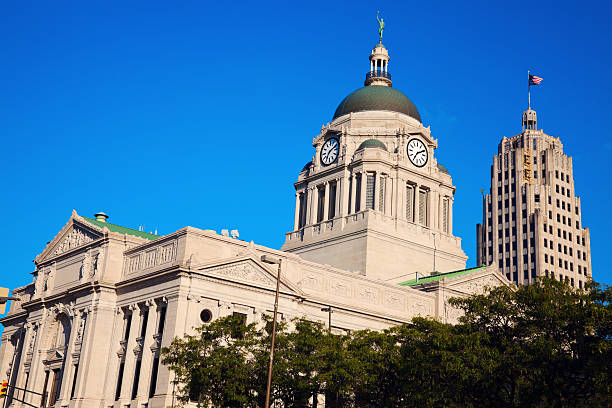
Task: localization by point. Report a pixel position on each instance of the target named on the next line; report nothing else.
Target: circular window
(206, 315)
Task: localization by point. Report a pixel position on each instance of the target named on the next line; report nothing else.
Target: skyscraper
(532, 217)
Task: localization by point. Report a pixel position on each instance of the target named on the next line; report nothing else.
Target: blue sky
(167, 114)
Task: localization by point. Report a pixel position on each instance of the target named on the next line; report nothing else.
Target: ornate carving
(97, 263)
(87, 267)
(340, 288)
(151, 257)
(368, 294)
(75, 238)
(394, 300)
(311, 280)
(242, 271)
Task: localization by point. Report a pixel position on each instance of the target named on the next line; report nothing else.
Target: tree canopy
(543, 345)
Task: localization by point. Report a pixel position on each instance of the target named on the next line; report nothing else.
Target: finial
(381, 26)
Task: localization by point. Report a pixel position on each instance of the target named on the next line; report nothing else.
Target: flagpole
(528, 91)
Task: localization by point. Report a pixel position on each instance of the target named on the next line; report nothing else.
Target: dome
(377, 144)
(377, 98)
(443, 169)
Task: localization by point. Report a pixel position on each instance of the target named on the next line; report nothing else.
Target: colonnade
(389, 198)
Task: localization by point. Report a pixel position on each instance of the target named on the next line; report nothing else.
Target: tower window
(445, 214)
(320, 203)
(302, 215)
(381, 194)
(410, 202)
(333, 188)
(370, 186)
(423, 204)
(358, 192)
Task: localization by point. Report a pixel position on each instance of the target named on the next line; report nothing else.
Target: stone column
(415, 207)
(296, 221)
(147, 355)
(308, 198)
(326, 202)
(339, 195)
(450, 216)
(315, 207)
(388, 195)
(130, 357)
(364, 187)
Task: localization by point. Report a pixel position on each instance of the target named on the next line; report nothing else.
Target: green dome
(372, 143)
(377, 98)
(443, 169)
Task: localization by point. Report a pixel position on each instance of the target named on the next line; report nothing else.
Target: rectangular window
(302, 215)
(423, 216)
(445, 215)
(410, 202)
(320, 203)
(370, 188)
(381, 194)
(55, 385)
(331, 211)
(358, 193)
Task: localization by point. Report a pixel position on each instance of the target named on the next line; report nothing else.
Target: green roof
(372, 143)
(453, 274)
(120, 229)
(377, 98)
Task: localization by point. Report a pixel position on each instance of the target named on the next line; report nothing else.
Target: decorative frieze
(151, 257)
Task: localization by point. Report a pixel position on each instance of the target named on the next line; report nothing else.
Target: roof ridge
(121, 228)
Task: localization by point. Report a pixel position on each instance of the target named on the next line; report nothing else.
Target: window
(409, 202)
(546, 258)
(358, 193)
(302, 214)
(556, 173)
(381, 194)
(445, 214)
(423, 216)
(559, 247)
(206, 316)
(331, 210)
(562, 177)
(320, 203)
(370, 186)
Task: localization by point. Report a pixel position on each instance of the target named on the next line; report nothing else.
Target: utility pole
(274, 261)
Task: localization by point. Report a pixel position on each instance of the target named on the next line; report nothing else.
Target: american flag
(534, 80)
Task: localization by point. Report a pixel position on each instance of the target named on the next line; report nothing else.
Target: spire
(379, 60)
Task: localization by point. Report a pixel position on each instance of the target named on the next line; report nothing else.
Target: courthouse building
(372, 241)
(532, 217)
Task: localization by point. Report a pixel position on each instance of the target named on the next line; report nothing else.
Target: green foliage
(544, 345)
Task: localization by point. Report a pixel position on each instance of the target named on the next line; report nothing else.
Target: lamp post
(329, 310)
(274, 261)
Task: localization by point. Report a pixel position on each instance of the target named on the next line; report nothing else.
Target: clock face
(417, 152)
(329, 152)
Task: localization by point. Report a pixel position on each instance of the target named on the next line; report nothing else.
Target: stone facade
(532, 217)
(104, 299)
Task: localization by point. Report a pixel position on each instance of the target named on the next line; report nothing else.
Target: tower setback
(532, 217)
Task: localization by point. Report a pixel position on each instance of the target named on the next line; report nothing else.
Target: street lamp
(274, 261)
(329, 310)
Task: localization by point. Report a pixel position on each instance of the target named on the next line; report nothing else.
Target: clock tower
(374, 200)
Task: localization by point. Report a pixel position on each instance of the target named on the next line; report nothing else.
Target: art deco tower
(373, 199)
(532, 216)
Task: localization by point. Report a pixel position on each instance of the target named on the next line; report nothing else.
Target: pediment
(250, 272)
(477, 282)
(75, 234)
